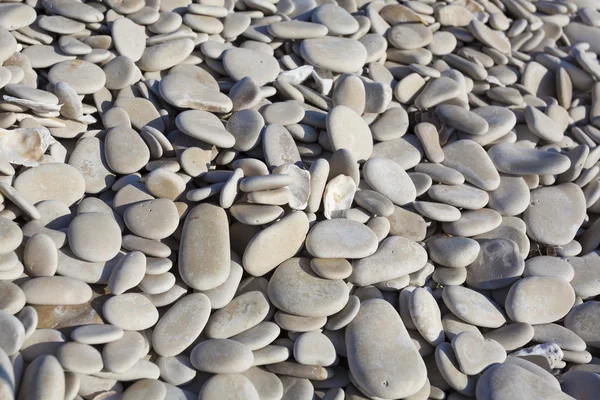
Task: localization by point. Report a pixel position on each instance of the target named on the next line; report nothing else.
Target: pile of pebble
(299, 199)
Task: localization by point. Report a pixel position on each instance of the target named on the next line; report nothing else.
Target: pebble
(554, 298)
(379, 167)
(327, 239)
(380, 370)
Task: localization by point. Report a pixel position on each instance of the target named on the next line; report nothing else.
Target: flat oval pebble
(396, 256)
(498, 265)
(310, 295)
(68, 185)
(130, 311)
(97, 334)
(388, 178)
(288, 234)
(80, 358)
(242, 313)
(13, 333)
(539, 300)
(122, 354)
(235, 385)
(261, 67)
(473, 307)
(83, 76)
(517, 160)
(453, 252)
(380, 351)
(99, 244)
(152, 219)
(11, 236)
(204, 261)
(334, 54)
(181, 325)
(347, 130)
(341, 238)
(56, 290)
(221, 356)
(471, 160)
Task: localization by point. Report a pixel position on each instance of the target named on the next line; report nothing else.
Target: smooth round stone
(473, 223)
(471, 160)
(185, 92)
(388, 178)
(56, 290)
(585, 269)
(519, 160)
(121, 355)
(141, 112)
(462, 196)
(240, 63)
(295, 289)
(165, 55)
(235, 386)
(126, 152)
(8, 43)
(381, 355)
(426, 316)
(90, 160)
(97, 334)
(287, 235)
(120, 72)
(176, 370)
(549, 266)
(11, 236)
(338, 21)
(442, 43)
(204, 261)
(409, 36)
(221, 356)
(374, 202)
(331, 268)
(473, 307)
(453, 252)
(581, 384)
(258, 336)
(9, 260)
(346, 129)
(462, 119)
(206, 127)
(500, 121)
(53, 181)
(16, 16)
(512, 336)
(251, 214)
(341, 238)
(539, 300)
(130, 311)
(152, 219)
(449, 369)
(165, 184)
(94, 237)
(12, 298)
(553, 333)
(181, 325)
(12, 333)
(268, 385)
(150, 389)
(278, 146)
(83, 76)
(44, 378)
(493, 383)
(581, 320)
(75, 10)
(314, 348)
(498, 265)
(40, 256)
(334, 54)
(60, 24)
(555, 214)
(295, 29)
(397, 256)
(285, 113)
(511, 197)
(127, 273)
(242, 313)
(128, 38)
(79, 358)
(245, 126)
(475, 353)
(437, 211)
